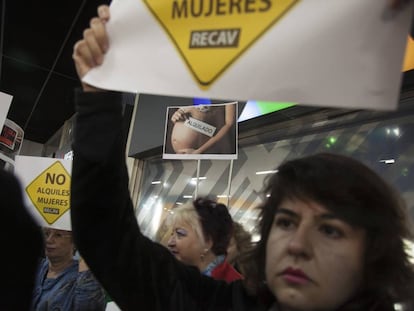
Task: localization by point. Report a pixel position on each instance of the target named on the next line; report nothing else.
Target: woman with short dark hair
(354, 198)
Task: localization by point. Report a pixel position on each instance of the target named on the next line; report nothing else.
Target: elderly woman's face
(314, 261)
(58, 243)
(185, 244)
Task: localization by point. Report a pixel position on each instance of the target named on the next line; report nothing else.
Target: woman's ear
(209, 243)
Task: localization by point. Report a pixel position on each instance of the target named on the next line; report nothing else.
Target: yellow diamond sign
(50, 192)
(211, 34)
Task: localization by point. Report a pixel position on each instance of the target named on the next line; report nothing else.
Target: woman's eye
(180, 234)
(284, 223)
(331, 231)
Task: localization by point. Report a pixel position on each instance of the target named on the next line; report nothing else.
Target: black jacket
(22, 246)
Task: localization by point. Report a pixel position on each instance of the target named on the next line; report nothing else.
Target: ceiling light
(194, 180)
(199, 178)
(156, 182)
(388, 161)
(410, 249)
(266, 172)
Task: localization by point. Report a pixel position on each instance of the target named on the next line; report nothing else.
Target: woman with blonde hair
(200, 235)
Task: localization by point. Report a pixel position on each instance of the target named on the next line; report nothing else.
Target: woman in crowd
(62, 282)
(332, 231)
(240, 247)
(201, 233)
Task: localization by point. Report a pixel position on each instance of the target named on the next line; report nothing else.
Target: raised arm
(136, 272)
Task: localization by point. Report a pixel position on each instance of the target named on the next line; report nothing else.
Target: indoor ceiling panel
(36, 60)
(56, 100)
(24, 83)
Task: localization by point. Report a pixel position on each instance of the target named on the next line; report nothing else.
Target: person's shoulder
(226, 272)
(13, 207)
(9, 186)
(243, 299)
(43, 266)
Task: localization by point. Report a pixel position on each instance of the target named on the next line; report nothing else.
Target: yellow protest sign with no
(50, 192)
(211, 34)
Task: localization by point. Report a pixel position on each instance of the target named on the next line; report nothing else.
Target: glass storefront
(383, 141)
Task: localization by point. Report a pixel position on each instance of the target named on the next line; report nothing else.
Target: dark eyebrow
(285, 211)
(328, 216)
(295, 215)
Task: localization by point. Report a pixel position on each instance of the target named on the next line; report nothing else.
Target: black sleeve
(136, 272)
(22, 246)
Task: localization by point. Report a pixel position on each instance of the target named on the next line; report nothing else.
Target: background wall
(384, 144)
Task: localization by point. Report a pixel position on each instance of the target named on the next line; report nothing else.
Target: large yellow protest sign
(211, 35)
(50, 192)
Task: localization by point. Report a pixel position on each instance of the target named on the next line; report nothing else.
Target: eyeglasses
(50, 234)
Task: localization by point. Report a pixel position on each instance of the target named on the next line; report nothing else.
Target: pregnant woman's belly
(183, 137)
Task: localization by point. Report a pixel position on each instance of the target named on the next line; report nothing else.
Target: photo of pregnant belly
(201, 129)
(185, 137)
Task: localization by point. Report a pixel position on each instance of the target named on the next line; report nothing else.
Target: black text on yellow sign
(50, 192)
(211, 34)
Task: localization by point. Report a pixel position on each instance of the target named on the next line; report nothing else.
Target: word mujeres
(206, 8)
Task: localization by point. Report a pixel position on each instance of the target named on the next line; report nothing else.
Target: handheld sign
(46, 185)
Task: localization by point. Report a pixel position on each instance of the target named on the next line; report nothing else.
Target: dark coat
(22, 246)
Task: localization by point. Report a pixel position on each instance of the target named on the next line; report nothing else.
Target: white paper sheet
(326, 53)
(5, 101)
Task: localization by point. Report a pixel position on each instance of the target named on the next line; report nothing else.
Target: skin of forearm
(213, 140)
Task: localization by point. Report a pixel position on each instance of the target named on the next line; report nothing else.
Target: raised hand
(89, 52)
